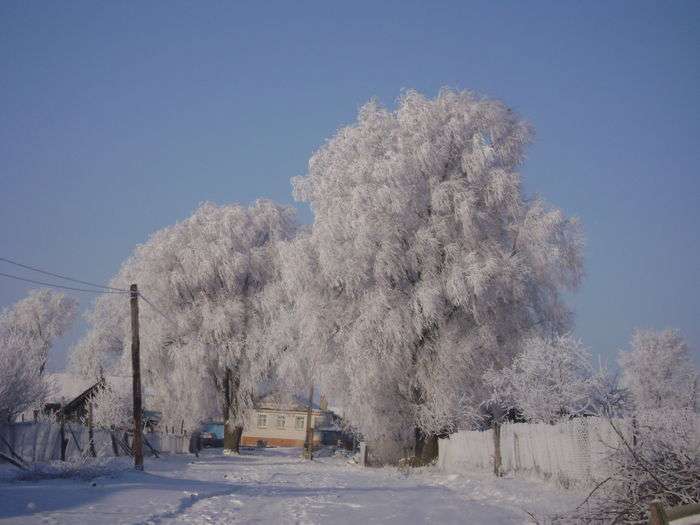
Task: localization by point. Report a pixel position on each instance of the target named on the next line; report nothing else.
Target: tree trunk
(418, 446)
(309, 440)
(230, 439)
(228, 430)
(430, 448)
(426, 447)
(232, 431)
(237, 435)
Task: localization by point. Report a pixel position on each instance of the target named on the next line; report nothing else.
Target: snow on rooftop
(64, 386)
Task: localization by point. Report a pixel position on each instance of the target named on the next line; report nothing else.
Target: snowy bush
(661, 459)
(549, 380)
(83, 469)
(660, 462)
(112, 408)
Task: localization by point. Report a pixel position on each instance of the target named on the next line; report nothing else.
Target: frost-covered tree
(659, 372)
(38, 320)
(300, 315)
(608, 396)
(432, 265)
(28, 329)
(207, 275)
(21, 383)
(548, 380)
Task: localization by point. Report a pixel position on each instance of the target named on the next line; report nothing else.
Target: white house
(281, 422)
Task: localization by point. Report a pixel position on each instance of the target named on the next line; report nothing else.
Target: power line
(42, 283)
(32, 268)
(106, 289)
(157, 309)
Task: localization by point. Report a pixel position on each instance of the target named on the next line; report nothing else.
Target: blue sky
(118, 118)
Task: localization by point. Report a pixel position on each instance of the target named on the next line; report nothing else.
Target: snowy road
(275, 486)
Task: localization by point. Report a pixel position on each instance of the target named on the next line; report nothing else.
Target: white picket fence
(41, 441)
(569, 453)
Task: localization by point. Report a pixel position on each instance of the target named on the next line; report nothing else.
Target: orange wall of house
(251, 441)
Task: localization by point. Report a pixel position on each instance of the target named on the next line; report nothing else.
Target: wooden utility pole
(137, 445)
(309, 444)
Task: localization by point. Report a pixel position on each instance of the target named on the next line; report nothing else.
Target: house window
(299, 423)
(280, 421)
(262, 421)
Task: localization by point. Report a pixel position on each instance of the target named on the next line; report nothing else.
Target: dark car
(212, 435)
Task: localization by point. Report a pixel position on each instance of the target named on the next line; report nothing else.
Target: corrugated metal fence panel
(41, 441)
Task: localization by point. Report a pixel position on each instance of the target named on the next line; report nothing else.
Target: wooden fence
(570, 453)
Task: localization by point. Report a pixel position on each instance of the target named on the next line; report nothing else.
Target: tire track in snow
(185, 504)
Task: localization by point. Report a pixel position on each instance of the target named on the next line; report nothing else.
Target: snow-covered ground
(276, 486)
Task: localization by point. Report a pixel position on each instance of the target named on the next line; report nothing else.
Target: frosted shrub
(658, 458)
(112, 408)
(548, 380)
(83, 469)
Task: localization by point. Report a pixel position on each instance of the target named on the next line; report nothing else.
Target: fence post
(91, 433)
(62, 432)
(115, 449)
(657, 515)
(497, 449)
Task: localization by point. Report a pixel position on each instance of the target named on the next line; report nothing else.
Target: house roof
(277, 400)
(65, 387)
